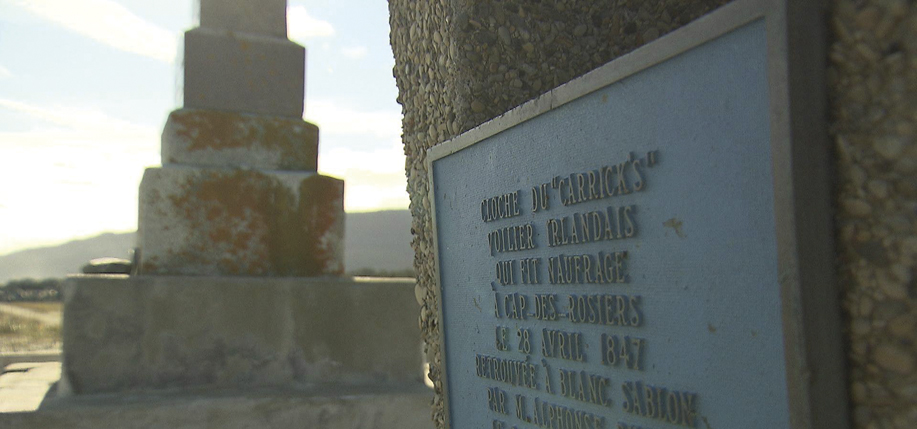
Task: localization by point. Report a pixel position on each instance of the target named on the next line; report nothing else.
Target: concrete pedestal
(148, 333)
(391, 408)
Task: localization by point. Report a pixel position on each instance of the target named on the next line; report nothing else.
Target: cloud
(80, 119)
(333, 118)
(373, 179)
(109, 23)
(301, 26)
(373, 164)
(74, 159)
(355, 53)
(92, 132)
(5, 73)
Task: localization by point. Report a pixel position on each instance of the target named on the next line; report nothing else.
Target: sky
(86, 87)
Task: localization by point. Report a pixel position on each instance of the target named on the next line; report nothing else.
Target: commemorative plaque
(642, 247)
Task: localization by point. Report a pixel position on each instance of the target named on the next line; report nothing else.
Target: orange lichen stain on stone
(213, 213)
(154, 196)
(150, 265)
(294, 139)
(257, 226)
(233, 202)
(242, 250)
(206, 129)
(318, 222)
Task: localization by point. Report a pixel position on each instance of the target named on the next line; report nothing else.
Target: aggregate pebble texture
(460, 63)
(872, 82)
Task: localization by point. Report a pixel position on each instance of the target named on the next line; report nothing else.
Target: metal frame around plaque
(795, 34)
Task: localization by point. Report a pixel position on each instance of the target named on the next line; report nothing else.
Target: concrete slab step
(326, 408)
(24, 385)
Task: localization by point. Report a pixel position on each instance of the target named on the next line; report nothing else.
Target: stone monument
(237, 312)
(238, 192)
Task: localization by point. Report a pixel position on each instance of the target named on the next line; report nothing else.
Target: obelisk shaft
(267, 17)
(240, 60)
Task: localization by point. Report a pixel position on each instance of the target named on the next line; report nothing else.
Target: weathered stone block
(140, 333)
(229, 139)
(209, 221)
(268, 17)
(243, 73)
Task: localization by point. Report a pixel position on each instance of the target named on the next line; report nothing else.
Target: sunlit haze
(86, 86)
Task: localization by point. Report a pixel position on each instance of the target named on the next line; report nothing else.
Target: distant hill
(67, 258)
(379, 241)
